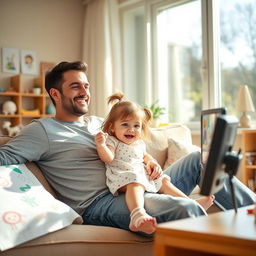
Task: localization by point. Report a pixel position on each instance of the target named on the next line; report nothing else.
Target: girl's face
(128, 130)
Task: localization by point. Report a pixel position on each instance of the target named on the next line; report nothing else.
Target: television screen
(221, 145)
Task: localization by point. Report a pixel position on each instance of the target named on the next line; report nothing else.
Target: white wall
(51, 28)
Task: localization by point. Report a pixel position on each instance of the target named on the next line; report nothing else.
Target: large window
(179, 53)
(188, 55)
(134, 42)
(237, 50)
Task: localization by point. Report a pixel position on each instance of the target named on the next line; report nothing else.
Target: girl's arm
(153, 169)
(105, 152)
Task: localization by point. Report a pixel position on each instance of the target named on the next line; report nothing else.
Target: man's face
(75, 96)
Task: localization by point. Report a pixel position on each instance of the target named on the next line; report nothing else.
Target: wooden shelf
(22, 98)
(9, 93)
(25, 94)
(251, 167)
(249, 145)
(8, 116)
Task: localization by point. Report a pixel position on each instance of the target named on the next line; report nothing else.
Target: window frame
(210, 66)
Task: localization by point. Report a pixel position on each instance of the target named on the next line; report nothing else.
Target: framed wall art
(28, 62)
(10, 60)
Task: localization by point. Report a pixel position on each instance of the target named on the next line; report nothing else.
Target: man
(64, 149)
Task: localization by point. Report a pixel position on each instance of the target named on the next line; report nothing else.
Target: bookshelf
(29, 105)
(249, 161)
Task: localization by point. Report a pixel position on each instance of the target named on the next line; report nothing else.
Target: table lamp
(244, 105)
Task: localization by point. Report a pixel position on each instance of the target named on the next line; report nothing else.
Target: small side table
(222, 233)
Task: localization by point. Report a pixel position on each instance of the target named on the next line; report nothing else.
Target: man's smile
(82, 100)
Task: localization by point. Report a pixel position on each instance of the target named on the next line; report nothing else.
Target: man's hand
(153, 169)
(100, 138)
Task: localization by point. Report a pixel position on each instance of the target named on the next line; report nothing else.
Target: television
(221, 161)
(208, 120)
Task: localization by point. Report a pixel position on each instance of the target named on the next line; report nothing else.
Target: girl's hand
(153, 169)
(100, 138)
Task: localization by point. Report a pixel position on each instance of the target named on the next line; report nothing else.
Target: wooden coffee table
(222, 233)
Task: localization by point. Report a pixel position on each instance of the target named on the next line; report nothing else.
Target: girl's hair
(123, 109)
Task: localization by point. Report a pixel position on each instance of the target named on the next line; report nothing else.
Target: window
(134, 54)
(237, 50)
(179, 53)
(190, 55)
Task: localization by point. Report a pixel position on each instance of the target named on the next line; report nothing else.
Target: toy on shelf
(50, 110)
(9, 108)
(12, 131)
(10, 89)
(30, 112)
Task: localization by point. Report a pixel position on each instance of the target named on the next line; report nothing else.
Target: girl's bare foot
(206, 201)
(141, 221)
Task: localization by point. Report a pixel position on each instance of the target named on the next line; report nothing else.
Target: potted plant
(157, 112)
(36, 89)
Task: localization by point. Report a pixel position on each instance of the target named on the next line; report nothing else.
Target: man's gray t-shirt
(66, 153)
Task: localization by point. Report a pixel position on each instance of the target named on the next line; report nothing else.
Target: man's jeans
(109, 210)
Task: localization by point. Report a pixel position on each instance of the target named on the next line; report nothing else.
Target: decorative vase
(36, 90)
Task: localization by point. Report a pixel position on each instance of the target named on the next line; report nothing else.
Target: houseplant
(36, 89)
(157, 112)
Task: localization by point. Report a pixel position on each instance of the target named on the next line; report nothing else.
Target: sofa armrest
(4, 139)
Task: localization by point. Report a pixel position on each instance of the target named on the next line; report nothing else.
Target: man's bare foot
(206, 201)
(141, 221)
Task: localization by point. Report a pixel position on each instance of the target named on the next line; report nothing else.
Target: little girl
(130, 169)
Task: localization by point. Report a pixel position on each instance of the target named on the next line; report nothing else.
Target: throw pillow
(27, 210)
(157, 144)
(177, 150)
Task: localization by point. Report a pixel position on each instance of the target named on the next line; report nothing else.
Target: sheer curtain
(101, 51)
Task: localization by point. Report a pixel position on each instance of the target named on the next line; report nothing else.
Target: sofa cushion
(30, 210)
(157, 144)
(178, 149)
(80, 240)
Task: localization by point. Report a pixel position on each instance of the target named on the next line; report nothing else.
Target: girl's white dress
(128, 167)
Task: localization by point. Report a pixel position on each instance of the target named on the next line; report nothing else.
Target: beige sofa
(98, 240)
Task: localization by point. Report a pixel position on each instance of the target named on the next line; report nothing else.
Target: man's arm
(29, 145)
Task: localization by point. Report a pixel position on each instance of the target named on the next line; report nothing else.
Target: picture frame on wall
(10, 60)
(45, 67)
(28, 62)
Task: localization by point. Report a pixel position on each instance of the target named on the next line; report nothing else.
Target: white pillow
(157, 144)
(27, 210)
(177, 150)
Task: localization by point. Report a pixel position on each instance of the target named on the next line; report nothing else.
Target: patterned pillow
(27, 210)
(177, 150)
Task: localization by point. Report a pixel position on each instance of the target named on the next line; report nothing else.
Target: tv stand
(232, 161)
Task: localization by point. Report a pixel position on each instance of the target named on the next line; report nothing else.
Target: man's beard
(70, 107)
